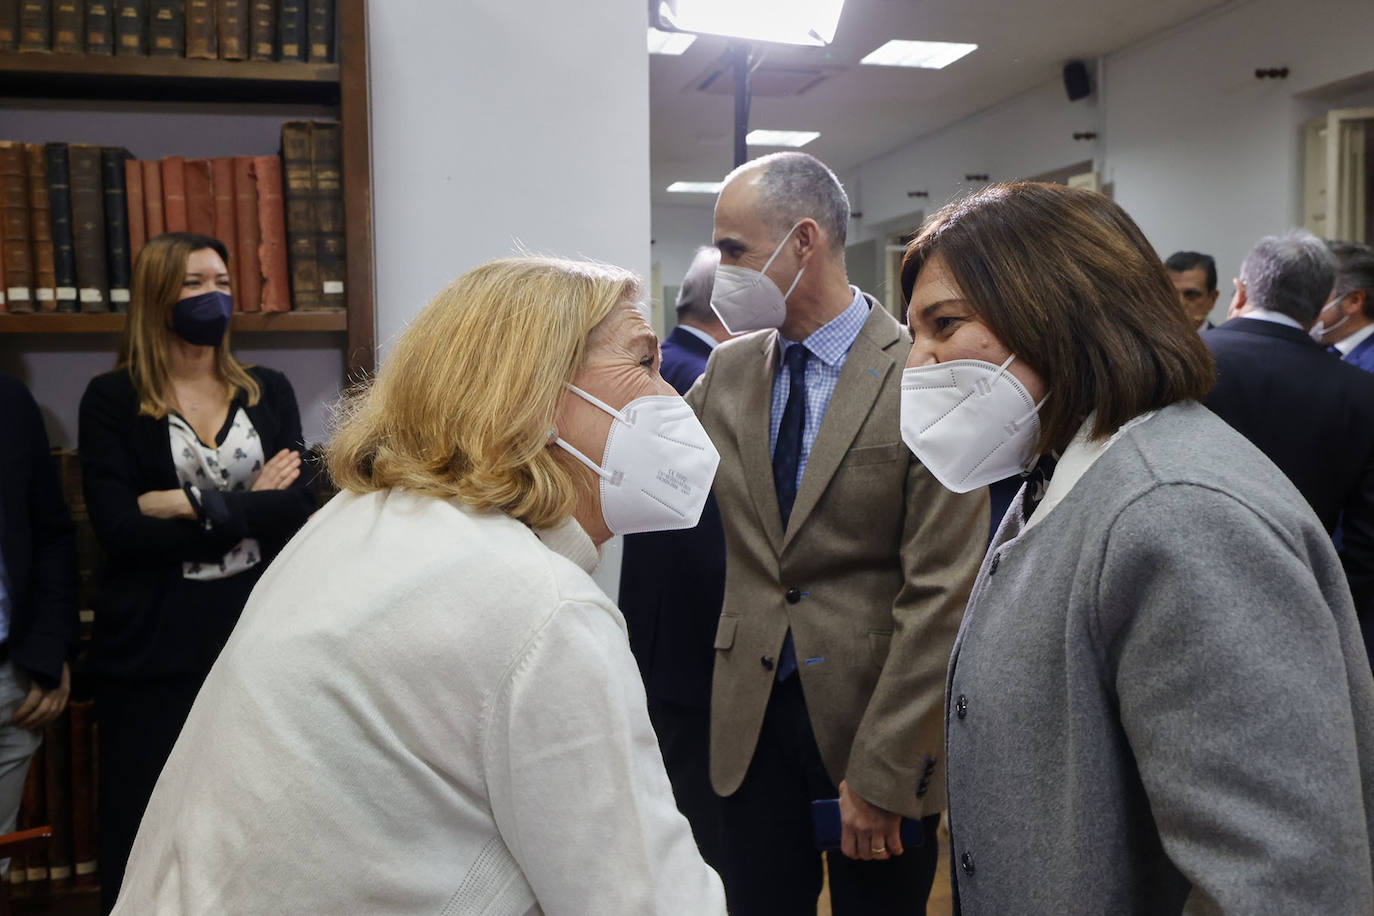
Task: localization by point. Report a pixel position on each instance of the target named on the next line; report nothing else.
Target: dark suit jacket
(1313, 415)
(672, 583)
(150, 621)
(36, 539)
(1363, 355)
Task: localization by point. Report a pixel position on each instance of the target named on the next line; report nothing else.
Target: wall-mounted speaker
(1076, 81)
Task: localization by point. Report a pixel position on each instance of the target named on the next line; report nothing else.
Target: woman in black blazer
(191, 468)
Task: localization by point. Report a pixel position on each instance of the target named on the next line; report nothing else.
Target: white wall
(497, 125)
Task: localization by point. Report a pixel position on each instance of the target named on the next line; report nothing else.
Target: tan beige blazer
(872, 574)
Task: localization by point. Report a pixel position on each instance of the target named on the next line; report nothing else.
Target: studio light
(792, 22)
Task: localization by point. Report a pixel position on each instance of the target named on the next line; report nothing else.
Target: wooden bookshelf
(111, 322)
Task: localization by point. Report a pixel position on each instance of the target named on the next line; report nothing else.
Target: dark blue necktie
(786, 462)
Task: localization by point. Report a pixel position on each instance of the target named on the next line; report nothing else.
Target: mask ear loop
(777, 251)
(613, 479)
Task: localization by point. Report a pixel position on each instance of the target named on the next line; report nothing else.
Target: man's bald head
(793, 186)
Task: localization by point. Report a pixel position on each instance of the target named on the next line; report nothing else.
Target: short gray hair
(1355, 271)
(694, 295)
(1291, 273)
(794, 186)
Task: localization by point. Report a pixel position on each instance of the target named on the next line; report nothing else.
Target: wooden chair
(18, 844)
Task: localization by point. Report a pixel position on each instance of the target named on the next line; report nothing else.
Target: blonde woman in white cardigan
(428, 706)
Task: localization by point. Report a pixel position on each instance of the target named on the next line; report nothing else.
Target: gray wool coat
(1159, 701)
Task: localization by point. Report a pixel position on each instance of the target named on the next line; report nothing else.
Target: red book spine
(248, 296)
(138, 226)
(174, 193)
(152, 198)
(226, 220)
(200, 197)
(276, 294)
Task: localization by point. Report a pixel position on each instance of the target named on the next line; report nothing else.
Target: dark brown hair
(1066, 280)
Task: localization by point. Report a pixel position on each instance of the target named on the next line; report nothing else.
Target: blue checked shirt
(829, 347)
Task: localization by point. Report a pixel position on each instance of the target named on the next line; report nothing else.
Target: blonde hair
(466, 401)
(158, 279)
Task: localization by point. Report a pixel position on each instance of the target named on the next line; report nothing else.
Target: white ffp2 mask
(747, 300)
(970, 422)
(658, 465)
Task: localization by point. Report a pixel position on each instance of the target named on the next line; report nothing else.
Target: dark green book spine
(291, 37)
(131, 27)
(326, 168)
(88, 228)
(167, 28)
(64, 250)
(302, 230)
(264, 30)
(9, 25)
(99, 27)
(69, 26)
(320, 28)
(35, 25)
(116, 224)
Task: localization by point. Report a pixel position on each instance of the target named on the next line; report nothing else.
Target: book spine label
(18, 247)
(116, 226)
(35, 25)
(264, 30)
(226, 220)
(291, 37)
(167, 28)
(276, 291)
(248, 295)
(234, 29)
(99, 27)
(83, 792)
(301, 231)
(9, 29)
(173, 194)
(69, 26)
(138, 223)
(200, 30)
(200, 197)
(131, 27)
(60, 203)
(32, 813)
(320, 28)
(57, 778)
(40, 229)
(152, 198)
(327, 174)
(88, 228)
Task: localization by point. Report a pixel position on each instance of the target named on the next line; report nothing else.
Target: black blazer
(150, 621)
(37, 541)
(1313, 415)
(672, 583)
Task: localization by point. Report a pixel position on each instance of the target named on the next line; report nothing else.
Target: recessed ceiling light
(696, 187)
(793, 22)
(930, 55)
(792, 138)
(669, 42)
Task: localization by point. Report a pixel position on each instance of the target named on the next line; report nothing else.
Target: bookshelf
(157, 82)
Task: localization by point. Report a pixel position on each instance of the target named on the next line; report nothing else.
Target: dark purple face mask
(203, 319)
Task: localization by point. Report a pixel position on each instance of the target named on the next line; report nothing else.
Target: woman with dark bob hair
(1158, 701)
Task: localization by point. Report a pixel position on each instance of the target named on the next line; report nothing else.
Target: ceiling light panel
(696, 187)
(928, 55)
(788, 138)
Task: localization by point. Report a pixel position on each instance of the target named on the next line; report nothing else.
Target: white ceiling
(865, 111)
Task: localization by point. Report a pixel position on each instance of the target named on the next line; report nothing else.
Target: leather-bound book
(83, 792)
(173, 194)
(291, 34)
(131, 27)
(4, 306)
(226, 220)
(99, 27)
(88, 228)
(9, 25)
(40, 229)
(247, 272)
(200, 197)
(57, 779)
(117, 260)
(234, 29)
(138, 220)
(327, 174)
(319, 26)
(301, 228)
(263, 31)
(201, 39)
(152, 198)
(167, 28)
(276, 286)
(69, 26)
(35, 25)
(18, 250)
(33, 813)
(63, 242)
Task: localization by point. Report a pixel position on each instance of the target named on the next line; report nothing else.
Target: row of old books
(74, 217)
(301, 30)
(60, 791)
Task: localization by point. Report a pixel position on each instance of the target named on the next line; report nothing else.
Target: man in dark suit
(1311, 414)
(671, 587)
(1195, 278)
(37, 592)
(1346, 322)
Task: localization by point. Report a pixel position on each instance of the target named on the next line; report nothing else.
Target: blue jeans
(17, 747)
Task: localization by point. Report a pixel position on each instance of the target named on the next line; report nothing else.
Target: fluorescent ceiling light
(792, 138)
(696, 187)
(792, 22)
(669, 42)
(931, 55)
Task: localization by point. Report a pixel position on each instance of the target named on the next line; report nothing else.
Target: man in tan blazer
(848, 565)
